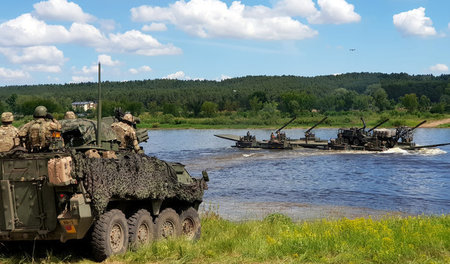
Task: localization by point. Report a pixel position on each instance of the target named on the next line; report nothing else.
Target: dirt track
(436, 123)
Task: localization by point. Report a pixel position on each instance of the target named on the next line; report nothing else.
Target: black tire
(168, 224)
(141, 228)
(110, 235)
(190, 224)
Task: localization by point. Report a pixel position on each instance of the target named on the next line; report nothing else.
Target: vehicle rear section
(28, 204)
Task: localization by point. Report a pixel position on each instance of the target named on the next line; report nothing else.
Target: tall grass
(276, 239)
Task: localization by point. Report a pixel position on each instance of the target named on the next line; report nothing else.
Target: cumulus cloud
(134, 41)
(180, 75)
(107, 60)
(303, 8)
(414, 23)
(12, 74)
(334, 12)
(213, 18)
(36, 58)
(61, 10)
(27, 30)
(439, 68)
(141, 69)
(89, 69)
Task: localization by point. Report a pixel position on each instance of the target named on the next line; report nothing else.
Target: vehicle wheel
(110, 235)
(190, 224)
(141, 228)
(168, 224)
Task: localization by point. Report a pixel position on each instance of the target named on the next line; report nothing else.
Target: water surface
(411, 182)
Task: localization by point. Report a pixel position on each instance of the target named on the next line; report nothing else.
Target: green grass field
(276, 239)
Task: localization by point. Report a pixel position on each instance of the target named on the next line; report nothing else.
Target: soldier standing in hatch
(37, 133)
(70, 115)
(126, 133)
(8, 133)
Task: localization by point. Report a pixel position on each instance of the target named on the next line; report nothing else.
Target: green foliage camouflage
(132, 176)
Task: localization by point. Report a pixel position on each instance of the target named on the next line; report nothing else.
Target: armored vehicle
(278, 140)
(91, 188)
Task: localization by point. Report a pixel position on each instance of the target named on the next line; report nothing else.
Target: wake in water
(424, 151)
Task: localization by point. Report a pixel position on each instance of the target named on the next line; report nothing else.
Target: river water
(305, 183)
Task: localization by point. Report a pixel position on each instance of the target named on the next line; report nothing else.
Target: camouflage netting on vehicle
(132, 176)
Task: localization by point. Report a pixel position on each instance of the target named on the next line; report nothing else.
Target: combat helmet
(128, 118)
(40, 111)
(7, 117)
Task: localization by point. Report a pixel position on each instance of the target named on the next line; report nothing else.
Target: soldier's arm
(133, 137)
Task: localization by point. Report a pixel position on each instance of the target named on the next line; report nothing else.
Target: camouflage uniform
(126, 133)
(37, 134)
(8, 133)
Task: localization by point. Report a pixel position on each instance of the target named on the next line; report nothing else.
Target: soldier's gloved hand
(49, 116)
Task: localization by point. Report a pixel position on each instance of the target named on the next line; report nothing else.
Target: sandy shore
(436, 123)
(241, 211)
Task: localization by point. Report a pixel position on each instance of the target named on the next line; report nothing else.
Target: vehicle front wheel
(168, 224)
(142, 228)
(110, 235)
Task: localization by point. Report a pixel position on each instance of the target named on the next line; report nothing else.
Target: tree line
(288, 95)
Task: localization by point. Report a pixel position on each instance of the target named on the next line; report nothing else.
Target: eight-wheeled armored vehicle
(91, 188)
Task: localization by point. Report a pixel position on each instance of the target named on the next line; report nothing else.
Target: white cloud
(224, 77)
(141, 69)
(12, 74)
(155, 27)
(36, 58)
(439, 68)
(213, 18)
(414, 23)
(89, 69)
(134, 41)
(26, 30)
(43, 68)
(61, 10)
(34, 55)
(180, 75)
(79, 79)
(334, 12)
(107, 60)
(303, 8)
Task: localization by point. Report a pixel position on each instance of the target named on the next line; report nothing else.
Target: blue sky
(61, 41)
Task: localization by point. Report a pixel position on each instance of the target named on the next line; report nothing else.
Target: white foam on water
(396, 151)
(431, 151)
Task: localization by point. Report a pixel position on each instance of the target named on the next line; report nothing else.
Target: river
(305, 183)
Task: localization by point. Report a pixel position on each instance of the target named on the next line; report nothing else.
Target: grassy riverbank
(245, 120)
(276, 239)
(335, 120)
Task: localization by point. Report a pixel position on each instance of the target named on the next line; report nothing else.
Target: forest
(258, 96)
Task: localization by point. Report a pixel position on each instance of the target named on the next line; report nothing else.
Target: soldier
(126, 133)
(8, 133)
(70, 115)
(37, 133)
